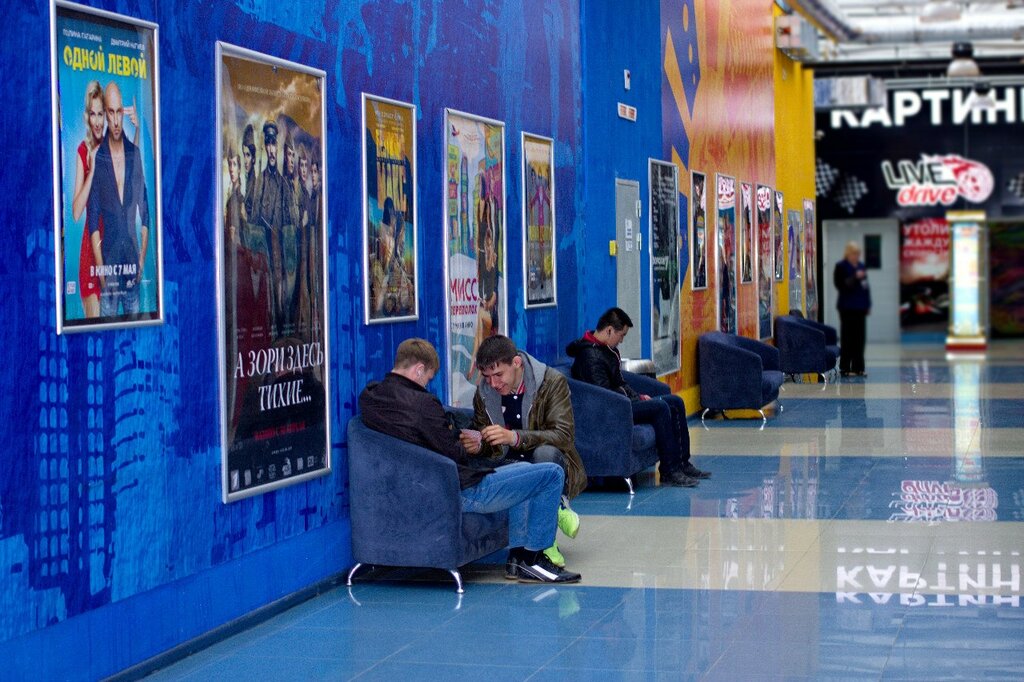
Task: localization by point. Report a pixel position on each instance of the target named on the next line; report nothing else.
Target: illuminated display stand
(968, 282)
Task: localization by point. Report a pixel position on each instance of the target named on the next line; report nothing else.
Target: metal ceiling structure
(915, 35)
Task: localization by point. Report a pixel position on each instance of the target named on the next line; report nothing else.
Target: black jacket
(595, 363)
(402, 408)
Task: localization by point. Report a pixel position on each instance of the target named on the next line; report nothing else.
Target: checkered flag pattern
(849, 192)
(1016, 185)
(825, 177)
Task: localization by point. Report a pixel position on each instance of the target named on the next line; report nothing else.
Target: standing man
(401, 406)
(117, 199)
(523, 412)
(596, 361)
(269, 213)
(854, 304)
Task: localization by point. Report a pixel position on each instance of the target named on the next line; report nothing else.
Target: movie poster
(271, 258)
(390, 289)
(795, 230)
(726, 254)
(810, 260)
(106, 149)
(698, 239)
(747, 233)
(539, 274)
(779, 229)
(924, 273)
(664, 189)
(765, 267)
(475, 295)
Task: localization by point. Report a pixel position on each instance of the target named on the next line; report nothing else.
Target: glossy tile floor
(872, 530)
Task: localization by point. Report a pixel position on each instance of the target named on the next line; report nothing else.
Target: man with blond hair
(401, 406)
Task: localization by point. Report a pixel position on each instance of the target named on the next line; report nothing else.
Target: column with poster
(475, 291)
(539, 263)
(795, 236)
(390, 287)
(698, 238)
(663, 181)
(810, 259)
(765, 267)
(106, 161)
(271, 256)
(746, 233)
(725, 257)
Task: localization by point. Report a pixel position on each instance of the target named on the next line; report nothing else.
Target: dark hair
(494, 350)
(616, 318)
(249, 140)
(389, 210)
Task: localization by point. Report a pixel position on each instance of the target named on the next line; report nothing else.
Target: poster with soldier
(389, 220)
(271, 261)
(106, 158)
(699, 234)
(765, 269)
(663, 184)
(725, 255)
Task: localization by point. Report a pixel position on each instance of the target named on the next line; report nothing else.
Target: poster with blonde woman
(106, 159)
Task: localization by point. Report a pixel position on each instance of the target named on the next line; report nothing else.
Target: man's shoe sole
(526, 576)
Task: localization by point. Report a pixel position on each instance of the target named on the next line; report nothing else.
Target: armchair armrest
(604, 424)
(769, 355)
(730, 375)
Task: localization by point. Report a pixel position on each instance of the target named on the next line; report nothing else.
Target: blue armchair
(737, 373)
(407, 509)
(608, 441)
(805, 346)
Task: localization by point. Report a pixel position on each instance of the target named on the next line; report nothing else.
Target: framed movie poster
(746, 233)
(795, 228)
(476, 299)
(765, 251)
(390, 288)
(106, 160)
(271, 241)
(698, 235)
(539, 263)
(810, 260)
(725, 256)
(779, 228)
(664, 244)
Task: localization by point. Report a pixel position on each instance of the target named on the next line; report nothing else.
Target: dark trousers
(542, 453)
(852, 336)
(667, 414)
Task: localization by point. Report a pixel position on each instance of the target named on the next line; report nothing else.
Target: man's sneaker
(541, 570)
(694, 472)
(679, 479)
(555, 556)
(568, 521)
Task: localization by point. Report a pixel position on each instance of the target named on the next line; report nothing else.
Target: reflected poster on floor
(271, 183)
(475, 291)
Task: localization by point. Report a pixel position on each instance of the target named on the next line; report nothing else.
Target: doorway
(627, 262)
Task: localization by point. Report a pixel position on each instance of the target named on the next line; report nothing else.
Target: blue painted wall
(617, 36)
(114, 544)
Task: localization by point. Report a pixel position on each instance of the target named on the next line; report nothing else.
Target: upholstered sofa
(737, 373)
(806, 346)
(406, 508)
(609, 443)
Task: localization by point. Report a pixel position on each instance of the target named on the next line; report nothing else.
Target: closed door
(627, 260)
(879, 242)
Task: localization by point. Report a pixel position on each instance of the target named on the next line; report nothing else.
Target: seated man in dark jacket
(401, 406)
(596, 361)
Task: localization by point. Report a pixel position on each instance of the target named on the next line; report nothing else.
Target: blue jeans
(667, 414)
(119, 296)
(530, 493)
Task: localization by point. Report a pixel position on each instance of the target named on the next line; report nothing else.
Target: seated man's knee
(547, 453)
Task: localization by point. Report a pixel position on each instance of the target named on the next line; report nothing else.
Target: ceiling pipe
(831, 21)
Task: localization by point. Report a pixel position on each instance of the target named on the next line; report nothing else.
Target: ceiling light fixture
(963, 64)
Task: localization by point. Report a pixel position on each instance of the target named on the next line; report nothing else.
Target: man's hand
(644, 396)
(470, 440)
(498, 435)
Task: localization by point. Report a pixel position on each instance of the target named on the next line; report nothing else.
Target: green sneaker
(568, 521)
(554, 556)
